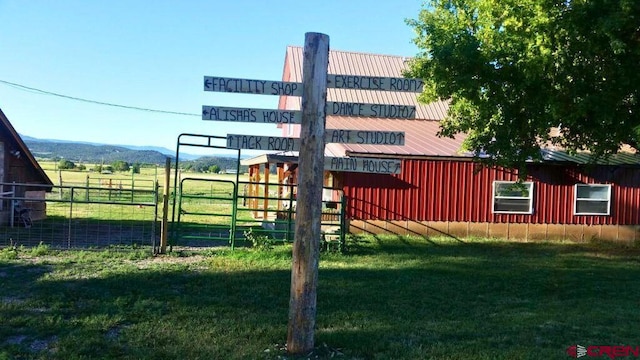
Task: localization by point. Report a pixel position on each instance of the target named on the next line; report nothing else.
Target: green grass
(387, 298)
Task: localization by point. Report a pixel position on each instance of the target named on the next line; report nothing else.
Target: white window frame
(576, 200)
(529, 198)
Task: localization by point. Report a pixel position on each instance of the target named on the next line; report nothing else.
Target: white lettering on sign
(363, 165)
(219, 113)
(262, 142)
(248, 86)
(364, 137)
(371, 110)
(374, 83)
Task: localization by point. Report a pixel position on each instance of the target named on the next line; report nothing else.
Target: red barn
(442, 191)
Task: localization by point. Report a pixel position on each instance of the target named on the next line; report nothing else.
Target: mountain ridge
(89, 152)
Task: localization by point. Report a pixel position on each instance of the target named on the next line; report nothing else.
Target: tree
(120, 165)
(214, 169)
(136, 168)
(520, 74)
(66, 165)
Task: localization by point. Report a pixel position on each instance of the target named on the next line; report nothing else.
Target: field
(386, 298)
(202, 213)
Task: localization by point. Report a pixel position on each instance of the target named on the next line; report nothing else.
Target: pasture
(386, 298)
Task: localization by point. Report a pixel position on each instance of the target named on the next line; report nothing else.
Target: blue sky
(154, 54)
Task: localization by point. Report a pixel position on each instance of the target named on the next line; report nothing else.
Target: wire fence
(114, 216)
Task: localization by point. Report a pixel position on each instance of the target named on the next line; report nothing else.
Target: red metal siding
(430, 190)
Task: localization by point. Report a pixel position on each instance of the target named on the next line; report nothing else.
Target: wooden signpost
(311, 160)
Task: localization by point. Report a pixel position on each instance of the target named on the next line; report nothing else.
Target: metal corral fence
(109, 215)
(220, 212)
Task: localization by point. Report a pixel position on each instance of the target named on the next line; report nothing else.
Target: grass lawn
(387, 298)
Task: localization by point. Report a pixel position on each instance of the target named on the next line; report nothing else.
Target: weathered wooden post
(306, 249)
(164, 225)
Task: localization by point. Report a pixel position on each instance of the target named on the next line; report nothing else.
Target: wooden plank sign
(220, 113)
(357, 82)
(362, 137)
(371, 110)
(363, 165)
(275, 143)
(248, 86)
(271, 143)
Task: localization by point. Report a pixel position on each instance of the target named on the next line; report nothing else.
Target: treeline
(118, 165)
(210, 164)
(96, 154)
(116, 158)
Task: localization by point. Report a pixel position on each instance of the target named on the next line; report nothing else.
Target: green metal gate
(214, 212)
(206, 212)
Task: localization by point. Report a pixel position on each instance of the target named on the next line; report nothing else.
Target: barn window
(592, 199)
(512, 197)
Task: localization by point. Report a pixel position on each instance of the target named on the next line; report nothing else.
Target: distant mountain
(86, 153)
(83, 151)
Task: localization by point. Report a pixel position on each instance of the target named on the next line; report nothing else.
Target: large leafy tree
(521, 74)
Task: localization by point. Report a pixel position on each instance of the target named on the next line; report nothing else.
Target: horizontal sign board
(275, 143)
(248, 86)
(363, 165)
(352, 82)
(357, 82)
(220, 113)
(364, 137)
(371, 110)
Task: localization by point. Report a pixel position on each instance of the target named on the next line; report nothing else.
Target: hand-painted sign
(220, 113)
(364, 137)
(371, 110)
(271, 143)
(275, 143)
(248, 86)
(358, 82)
(364, 165)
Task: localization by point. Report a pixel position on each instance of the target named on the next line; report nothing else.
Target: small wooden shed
(20, 174)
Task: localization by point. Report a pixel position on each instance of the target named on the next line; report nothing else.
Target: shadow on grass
(480, 301)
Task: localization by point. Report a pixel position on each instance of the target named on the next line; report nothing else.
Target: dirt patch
(188, 260)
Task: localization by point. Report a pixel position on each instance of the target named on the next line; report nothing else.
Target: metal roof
(421, 138)
(621, 158)
(352, 63)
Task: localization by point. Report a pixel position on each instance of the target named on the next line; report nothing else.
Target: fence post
(87, 186)
(165, 206)
(306, 245)
(13, 205)
(60, 182)
(70, 217)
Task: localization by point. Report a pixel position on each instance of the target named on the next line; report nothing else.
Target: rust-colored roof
(352, 63)
(420, 138)
(420, 133)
